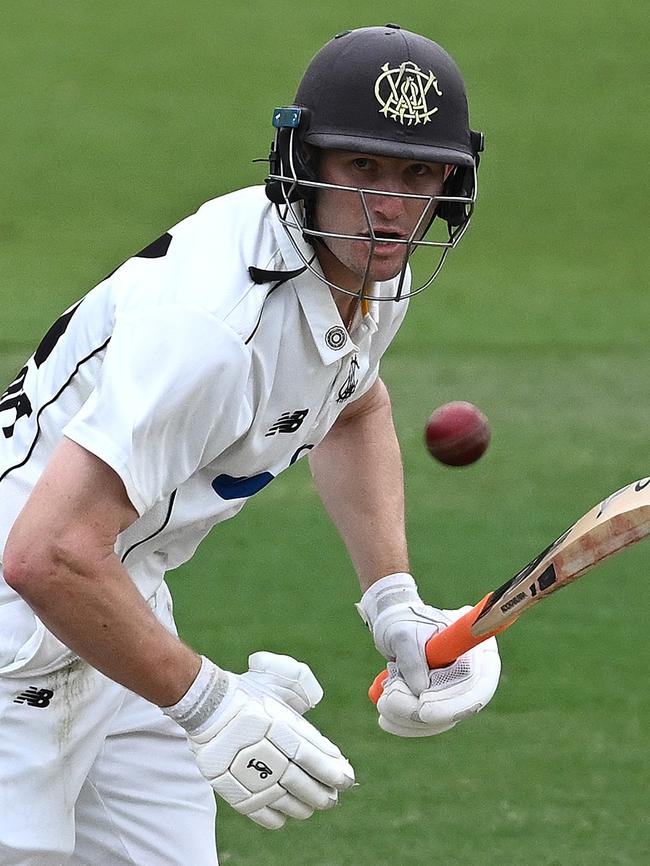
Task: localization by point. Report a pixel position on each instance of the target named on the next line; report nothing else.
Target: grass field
(121, 118)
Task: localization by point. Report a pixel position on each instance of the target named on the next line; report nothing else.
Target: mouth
(387, 242)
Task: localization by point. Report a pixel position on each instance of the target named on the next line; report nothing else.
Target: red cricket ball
(457, 433)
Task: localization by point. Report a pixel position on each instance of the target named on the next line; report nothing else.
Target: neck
(337, 273)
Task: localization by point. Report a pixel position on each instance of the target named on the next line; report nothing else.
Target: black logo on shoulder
(288, 422)
(34, 697)
(348, 388)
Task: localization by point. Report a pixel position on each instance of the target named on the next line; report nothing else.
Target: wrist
(398, 588)
(203, 698)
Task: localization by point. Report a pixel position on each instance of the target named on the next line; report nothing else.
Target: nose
(386, 207)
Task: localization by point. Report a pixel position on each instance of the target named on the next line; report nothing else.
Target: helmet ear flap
(461, 183)
(289, 158)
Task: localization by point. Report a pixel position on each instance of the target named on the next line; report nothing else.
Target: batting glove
(416, 701)
(252, 744)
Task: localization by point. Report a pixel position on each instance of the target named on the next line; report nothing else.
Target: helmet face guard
(381, 91)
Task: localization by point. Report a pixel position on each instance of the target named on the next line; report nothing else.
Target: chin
(383, 274)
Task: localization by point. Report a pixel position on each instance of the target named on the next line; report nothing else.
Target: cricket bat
(615, 523)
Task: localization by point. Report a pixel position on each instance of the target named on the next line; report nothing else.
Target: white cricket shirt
(196, 383)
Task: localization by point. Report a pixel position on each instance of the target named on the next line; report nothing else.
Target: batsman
(247, 337)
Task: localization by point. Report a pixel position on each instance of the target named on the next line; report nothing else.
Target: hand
(454, 693)
(252, 744)
(417, 701)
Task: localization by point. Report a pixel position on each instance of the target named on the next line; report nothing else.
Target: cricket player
(247, 337)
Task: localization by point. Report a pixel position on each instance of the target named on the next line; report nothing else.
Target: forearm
(358, 473)
(60, 558)
(104, 619)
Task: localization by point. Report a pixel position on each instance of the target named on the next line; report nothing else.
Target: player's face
(344, 261)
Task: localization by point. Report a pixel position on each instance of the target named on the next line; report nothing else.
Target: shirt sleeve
(170, 397)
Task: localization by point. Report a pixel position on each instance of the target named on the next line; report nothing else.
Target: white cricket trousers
(93, 775)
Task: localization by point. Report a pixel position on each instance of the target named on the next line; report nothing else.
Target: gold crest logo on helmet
(402, 93)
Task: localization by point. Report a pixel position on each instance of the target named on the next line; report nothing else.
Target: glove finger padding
(454, 693)
(292, 807)
(399, 712)
(290, 681)
(308, 790)
(462, 699)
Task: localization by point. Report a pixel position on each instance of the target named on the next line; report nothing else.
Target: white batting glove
(454, 693)
(252, 744)
(416, 701)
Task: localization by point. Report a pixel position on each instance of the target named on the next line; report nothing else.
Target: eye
(361, 162)
(419, 169)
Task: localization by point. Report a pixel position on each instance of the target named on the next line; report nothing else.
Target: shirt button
(336, 337)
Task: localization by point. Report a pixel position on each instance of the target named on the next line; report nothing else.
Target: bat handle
(446, 646)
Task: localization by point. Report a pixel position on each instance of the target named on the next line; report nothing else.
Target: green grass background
(121, 118)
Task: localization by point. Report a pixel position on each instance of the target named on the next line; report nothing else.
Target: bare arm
(59, 557)
(357, 469)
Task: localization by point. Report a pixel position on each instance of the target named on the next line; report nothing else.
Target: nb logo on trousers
(34, 697)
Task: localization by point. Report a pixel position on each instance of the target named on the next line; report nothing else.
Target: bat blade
(620, 520)
(615, 523)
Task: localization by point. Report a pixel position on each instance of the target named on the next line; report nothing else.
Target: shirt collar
(321, 313)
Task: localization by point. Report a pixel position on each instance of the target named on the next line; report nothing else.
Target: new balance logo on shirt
(288, 422)
(34, 697)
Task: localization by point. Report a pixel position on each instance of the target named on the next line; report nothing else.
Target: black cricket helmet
(383, 91)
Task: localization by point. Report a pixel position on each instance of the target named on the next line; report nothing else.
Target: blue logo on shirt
(229, 487)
